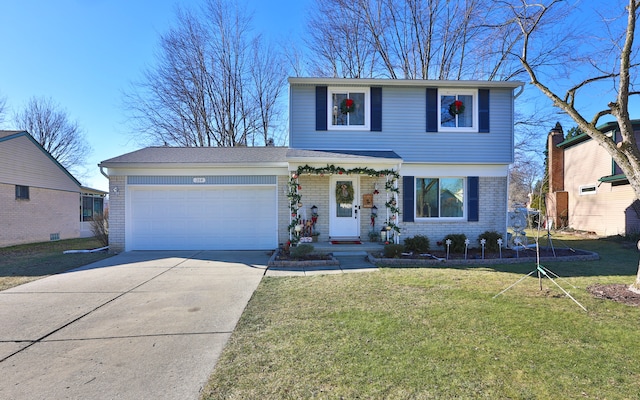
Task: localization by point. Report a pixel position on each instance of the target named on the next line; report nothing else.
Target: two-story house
(587, 190)
(419, 156)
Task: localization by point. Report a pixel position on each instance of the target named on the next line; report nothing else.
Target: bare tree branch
(214, 83)
(51, 126)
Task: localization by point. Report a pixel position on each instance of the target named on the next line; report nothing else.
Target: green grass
(438, 333)
(28, 262)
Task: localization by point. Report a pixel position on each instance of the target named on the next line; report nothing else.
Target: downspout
(515, 96)
(506, 200)
(102, 172)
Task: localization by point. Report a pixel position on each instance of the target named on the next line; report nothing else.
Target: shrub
(100, 227)
(301, 250)
(457, 242)
(418, 243)
(393, 250)
(492, 240)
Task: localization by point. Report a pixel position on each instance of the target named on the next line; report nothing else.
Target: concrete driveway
(139, 325)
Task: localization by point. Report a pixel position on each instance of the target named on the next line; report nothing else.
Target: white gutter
(404, 82)
(102, 172)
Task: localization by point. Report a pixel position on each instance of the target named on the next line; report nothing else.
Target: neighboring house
(587, 189)
(431, 156)
(39, 198)
(91, 205)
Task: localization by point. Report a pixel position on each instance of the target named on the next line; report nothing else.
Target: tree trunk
(636, 286)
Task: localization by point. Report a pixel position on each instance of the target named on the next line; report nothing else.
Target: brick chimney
(557, 198)
(555, 159)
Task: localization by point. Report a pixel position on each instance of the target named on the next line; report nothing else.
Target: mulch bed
(616, 292)
(476, 254)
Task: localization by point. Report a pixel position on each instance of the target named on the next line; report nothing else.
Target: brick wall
(117, 213)
(46, 212)
(493, 206)
(315, 191)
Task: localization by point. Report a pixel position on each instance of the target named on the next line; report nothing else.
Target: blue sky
(85, 53)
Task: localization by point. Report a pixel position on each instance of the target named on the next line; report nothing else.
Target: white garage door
(203, 218)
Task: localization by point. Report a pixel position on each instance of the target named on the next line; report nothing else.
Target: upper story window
(439, 197)
(22, 192)
(348, 109)
(458, 110)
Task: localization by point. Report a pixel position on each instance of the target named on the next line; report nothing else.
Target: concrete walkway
(350, 261)
(139, 325)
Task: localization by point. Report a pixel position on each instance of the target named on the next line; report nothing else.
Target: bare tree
(51, 126)
(598, 65)
(411, 39)
(339, 41)
(3, 107)
(213, 84)
(268, 80)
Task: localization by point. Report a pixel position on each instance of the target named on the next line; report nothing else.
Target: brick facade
(46, 212)
(315, 191)
(117, 203)
(493, 203)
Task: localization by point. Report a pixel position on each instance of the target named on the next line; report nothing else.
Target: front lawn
(28, 262)
(434, 333)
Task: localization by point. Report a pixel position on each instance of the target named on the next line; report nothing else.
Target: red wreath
(347, 106)
(457, 107)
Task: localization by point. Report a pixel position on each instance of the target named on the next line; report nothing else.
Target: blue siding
(403, 129)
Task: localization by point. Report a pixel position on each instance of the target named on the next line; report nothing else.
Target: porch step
(348, 253)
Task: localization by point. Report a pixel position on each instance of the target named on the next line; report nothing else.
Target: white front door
(345, 209)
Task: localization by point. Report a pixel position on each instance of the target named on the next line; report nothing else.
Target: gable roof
(5, 136)
(604, 128)
(404, 82)
(150, 156)
(240, 156)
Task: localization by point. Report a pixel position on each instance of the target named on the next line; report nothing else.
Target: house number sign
(199, 180)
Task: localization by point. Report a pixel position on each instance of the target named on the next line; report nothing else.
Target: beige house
(39, 199)
(587, 190)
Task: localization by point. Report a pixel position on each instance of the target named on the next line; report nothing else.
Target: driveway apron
(139, 325)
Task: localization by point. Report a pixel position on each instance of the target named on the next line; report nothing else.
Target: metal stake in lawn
(543, 271)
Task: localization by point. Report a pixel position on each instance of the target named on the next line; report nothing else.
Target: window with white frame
(348, 109)
(439, 197)
(458, 110)
(587, 189)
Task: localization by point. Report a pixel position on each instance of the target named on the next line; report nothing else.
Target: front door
(344, 209)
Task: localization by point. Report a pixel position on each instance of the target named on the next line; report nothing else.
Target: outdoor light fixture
(374, 211)
(314, 209)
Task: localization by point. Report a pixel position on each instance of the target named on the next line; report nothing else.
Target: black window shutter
(432, 110)
(321, 108)
(473, 198)
(376, 109)
(408, 190)
(483, 110)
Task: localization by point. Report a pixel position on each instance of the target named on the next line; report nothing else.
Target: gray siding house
(407, 157)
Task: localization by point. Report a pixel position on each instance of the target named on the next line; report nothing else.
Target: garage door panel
(211, 218)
